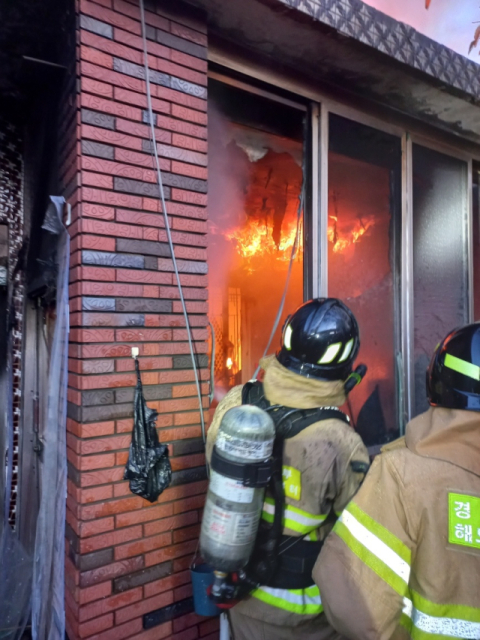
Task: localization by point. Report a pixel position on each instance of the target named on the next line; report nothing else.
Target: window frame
(323, 102)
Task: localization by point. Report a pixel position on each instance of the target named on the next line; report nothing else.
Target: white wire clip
(135, 352)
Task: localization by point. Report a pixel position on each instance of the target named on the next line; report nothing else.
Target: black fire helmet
(320, 340)
(453, 377)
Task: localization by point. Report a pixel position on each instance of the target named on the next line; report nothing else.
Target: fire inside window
(256, 176)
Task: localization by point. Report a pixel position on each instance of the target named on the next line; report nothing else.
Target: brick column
(127, 564)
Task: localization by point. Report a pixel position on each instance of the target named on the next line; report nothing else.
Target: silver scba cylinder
(234, 500)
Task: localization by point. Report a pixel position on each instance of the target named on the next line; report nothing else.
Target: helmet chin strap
(355, 378)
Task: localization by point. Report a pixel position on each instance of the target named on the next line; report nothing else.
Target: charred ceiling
(351, 47)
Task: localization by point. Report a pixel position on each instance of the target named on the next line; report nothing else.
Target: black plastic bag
(148, 467)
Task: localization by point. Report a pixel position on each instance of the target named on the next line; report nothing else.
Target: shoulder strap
(252, 393)
(289, 421)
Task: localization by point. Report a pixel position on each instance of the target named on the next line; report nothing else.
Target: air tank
(232, 510)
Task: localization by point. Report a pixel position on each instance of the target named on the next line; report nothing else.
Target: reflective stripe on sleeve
(376, 547)
(293, 518)
(390, 559)
(301, 601)
(426, 620)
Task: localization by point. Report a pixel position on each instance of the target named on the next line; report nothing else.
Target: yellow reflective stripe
(293, 518)
(371, 559)
(381, 532)
(287, 341)
(462, 366)
(376, 547)
(347, 350)
(292, 482)
(426, 620)
(330, 353)
(390, 559)
(300, 601)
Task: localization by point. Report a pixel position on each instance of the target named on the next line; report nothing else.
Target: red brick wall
(125, 557)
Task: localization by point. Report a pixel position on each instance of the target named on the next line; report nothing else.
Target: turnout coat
(319, 478)
(403, 560)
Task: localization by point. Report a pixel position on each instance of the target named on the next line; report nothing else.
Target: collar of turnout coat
(452, 435)
(292, 390)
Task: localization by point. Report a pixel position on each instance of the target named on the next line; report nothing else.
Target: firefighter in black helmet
(453, 377)
(416, 518)
(323, 464)
(321, 340)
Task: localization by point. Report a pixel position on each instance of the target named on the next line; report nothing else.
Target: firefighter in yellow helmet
(324, 462)
(403, 560)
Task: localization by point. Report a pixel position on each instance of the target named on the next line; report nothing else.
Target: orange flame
(256, 238)
(342, 240)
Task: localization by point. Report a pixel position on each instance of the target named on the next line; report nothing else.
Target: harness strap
(290, 568)
(289, 421)
(294, 566)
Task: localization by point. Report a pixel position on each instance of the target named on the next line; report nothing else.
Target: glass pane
(364, 221)
(439, 255)
(255, 180)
